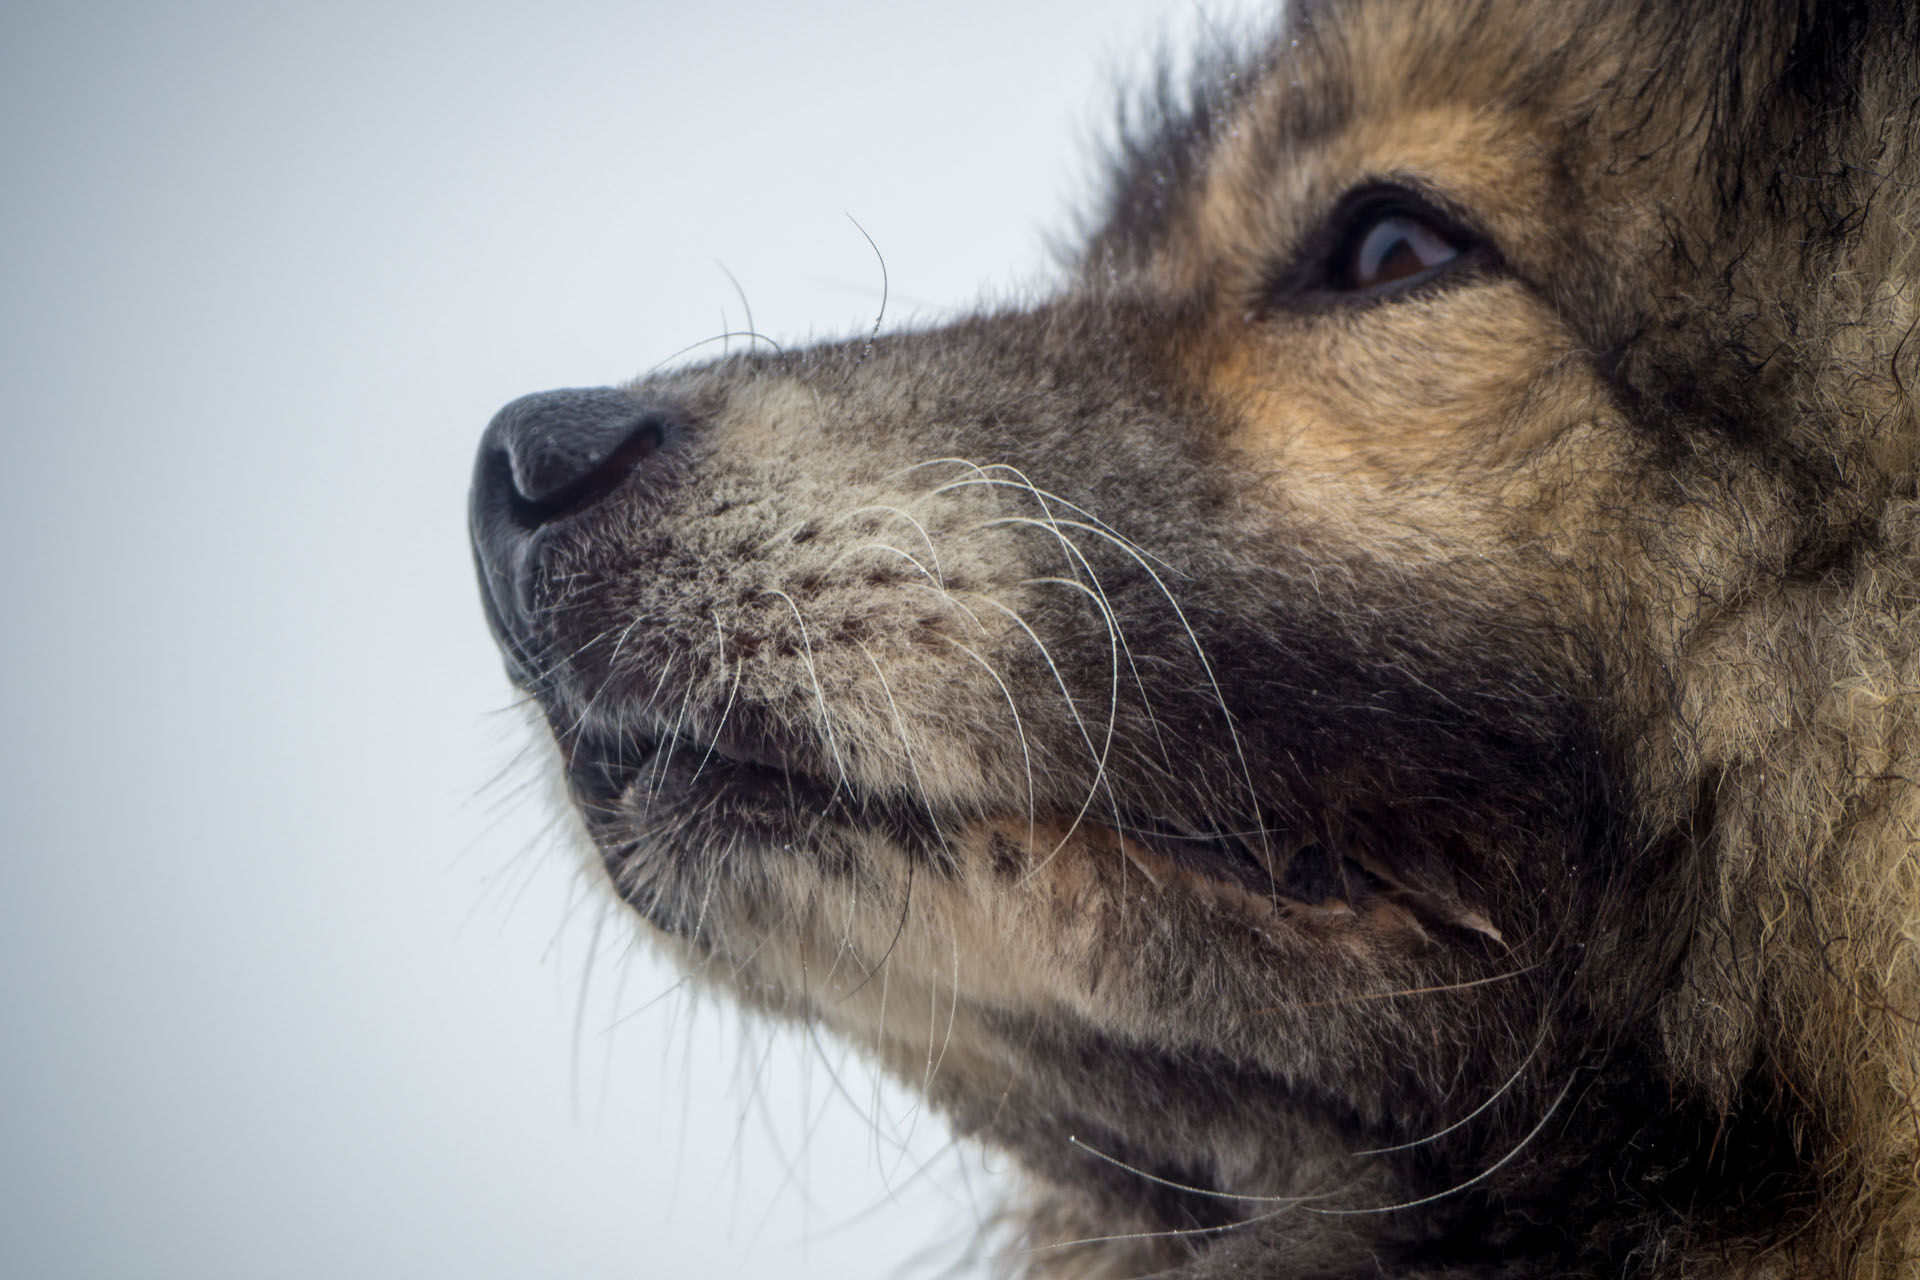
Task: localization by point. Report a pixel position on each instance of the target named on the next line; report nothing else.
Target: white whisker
(1482, 1176)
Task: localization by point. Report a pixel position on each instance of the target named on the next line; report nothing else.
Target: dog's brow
(1169, 137)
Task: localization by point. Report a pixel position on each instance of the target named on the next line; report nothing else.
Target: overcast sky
(300, 976)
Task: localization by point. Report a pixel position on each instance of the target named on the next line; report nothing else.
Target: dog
(1382, 717)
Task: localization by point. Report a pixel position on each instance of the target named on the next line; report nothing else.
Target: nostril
(552, 482)
(565, 450)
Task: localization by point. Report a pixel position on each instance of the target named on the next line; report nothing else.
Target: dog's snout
(565, 450)
(544, 458)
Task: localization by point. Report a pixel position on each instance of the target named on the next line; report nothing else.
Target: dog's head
(1339, 711)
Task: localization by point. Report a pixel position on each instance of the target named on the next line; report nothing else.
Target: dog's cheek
(1401, 393)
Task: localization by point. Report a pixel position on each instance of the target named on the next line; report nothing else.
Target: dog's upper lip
(600, 769)
(758, 748)
(602, 763)
(513, 652)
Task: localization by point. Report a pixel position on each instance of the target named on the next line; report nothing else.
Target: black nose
(545, 457)
(565, 450)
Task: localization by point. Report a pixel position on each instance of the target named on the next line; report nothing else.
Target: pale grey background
(299, 976)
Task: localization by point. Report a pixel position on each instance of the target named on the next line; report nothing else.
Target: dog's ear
(1793, 80)
(1848, 169)
(1833, 39)
(1810, 150)
(1844, 68)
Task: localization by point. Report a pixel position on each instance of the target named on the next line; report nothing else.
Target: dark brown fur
(1418, 782)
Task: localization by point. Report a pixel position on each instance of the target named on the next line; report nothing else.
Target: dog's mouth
(1275, 877)
(1268, 876)
(1262, 862)
(680, 798)
(612, 775)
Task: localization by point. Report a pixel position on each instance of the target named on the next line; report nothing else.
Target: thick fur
(1419, 784)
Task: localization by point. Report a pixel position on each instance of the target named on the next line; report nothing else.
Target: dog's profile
(1373, 732)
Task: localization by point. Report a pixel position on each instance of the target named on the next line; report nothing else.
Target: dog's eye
(1392, 249)
(1381, 241)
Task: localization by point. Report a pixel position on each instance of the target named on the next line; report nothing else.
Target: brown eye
(1395, 248)
(1380, 242)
